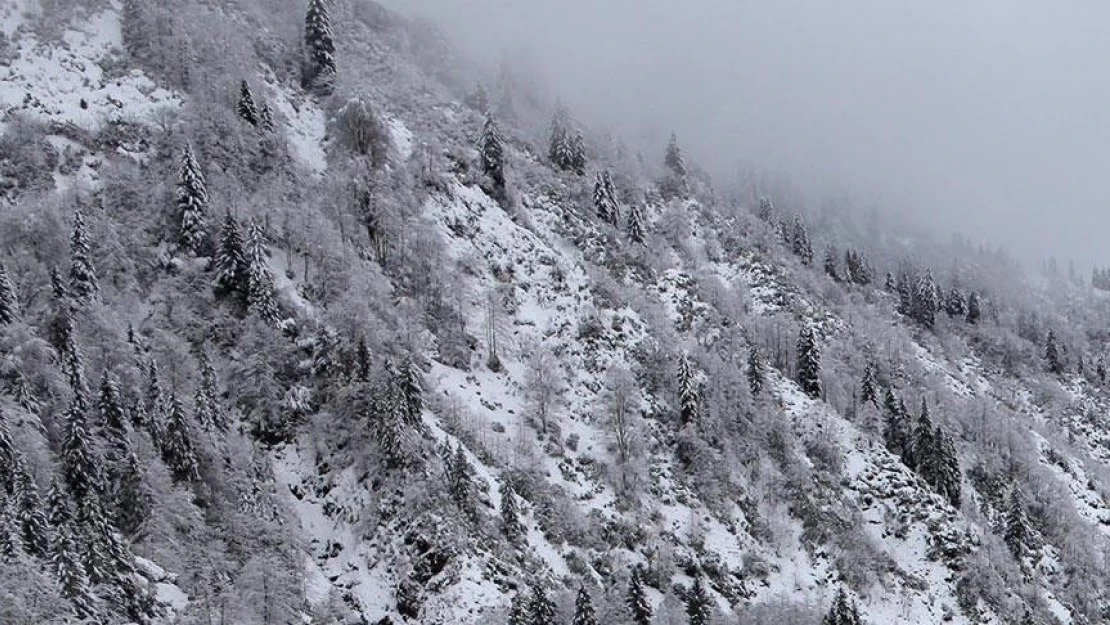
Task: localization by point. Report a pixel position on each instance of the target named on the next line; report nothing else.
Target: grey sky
(991, 116)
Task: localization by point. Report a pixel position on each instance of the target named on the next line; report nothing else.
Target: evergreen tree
(319, 70)
(947, 480)
(25, 395)
(192, 203)
(559, 149)
(843, 611)
(638, 603)
(81, 466)
(895, 425)
(756, 371)
(11, 539)
(954, 304)
(674, 160)
(831, 269)
(82, 277)
(924, 304)
(7, 457)
(578, 154)
(1100, 370)
(635, 225)
(1052, 354)
(32, 516)
(511, 525)
(460, 480)
(246, 108)
(922, 456)
(9, 302)
(58, 511)
(868, 390)
(809, 362)
(411, 393)
(800, 242)
(362, 360)
(154, 413)
(206, 400)
(584, 613)
(260, 282)
(266, 118)
(698, 604)
(605, 201)
(519, 609)
(973, 312)
(889, 285)
(541, 608)
(178, 451)
(492, 152)
(688, 391)
(230, 263)
(856, 268)
(1017, 532)
(71, 575)
(766, 209)
(905, 295)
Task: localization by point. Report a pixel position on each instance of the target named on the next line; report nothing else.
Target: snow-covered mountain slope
(411, 395)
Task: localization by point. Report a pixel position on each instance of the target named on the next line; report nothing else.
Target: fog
(987, 117)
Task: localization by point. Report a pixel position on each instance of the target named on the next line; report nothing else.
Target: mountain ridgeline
(305, 320)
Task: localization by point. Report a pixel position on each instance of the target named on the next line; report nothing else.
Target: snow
(401, 137)
(305, 126)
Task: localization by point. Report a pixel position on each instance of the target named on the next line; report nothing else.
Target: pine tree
(541, 608)
(7, 456)
(924, 302)
(266, 118)
(206, 402)
(756, 371)
(800, 242)
(1100, 370)
(973, 312)
(511, 526)
(11, 539)
(766, 209)
(637, 600)
(857, 268)
(260, 282)
(246, 108)
(32, 516)
(868, 391)
(58, 511)
(831, 269)
(602, 205)
(460, 480)
(362, 360)
(411, 393)
(230, 263)
(71, 575)
(81, 465)
(809, 362)
(889, 285)
(905, 295)
(922, 457)
(584, 613)
(1017, 531)
(698, 604)
(578, 154)
(25, 396)
(519, 612)
(635, 225)
(192, 203)
(674, 160)
(843, 611)
(320, 70)
(895, 426)
(954, 304)
(178, 451)
(688, 391)
(82, 277)
(559, 149)
(9, 301)
(1052, 354)
(948, 480)
(492, 152)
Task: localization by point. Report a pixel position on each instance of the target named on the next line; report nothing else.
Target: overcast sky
(987, 116)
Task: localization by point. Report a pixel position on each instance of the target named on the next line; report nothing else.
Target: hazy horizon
(984, 118)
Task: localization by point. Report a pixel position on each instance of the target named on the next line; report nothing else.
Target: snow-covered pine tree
(905, 291)
(639, 606)
(954, 304)
(635, 226)
(511, 526)
(83, 284)
(460, 480)
(809, 362)
(7, 456)
(831, 268)
(868, 389)
(206, 399)
(411, 391)
(32, 514)
(260, 282)
(541, 609)
(698, 603)
(1052, 354)
(25, 396)
(559, 148)
(9, 301)
(924, 302)
(843, 611)
(1017, 532)
(178, 451)
(11, 540)
(611, 195)
(578, 153)
(766, 211)
(973, 311)
(362, 360)
(948, 478)
(890, 286)
(584, 613)
(895, 424)
(266, 118)
(519, 612)
(492, 152)
(245, 107)
(1100, 370)
(71, 575)
(674, 159)
(601, 199)
(319, 69)
(192, 203)
(756, 372)
(230, 262)
(800, 242)
(81, 463)
(923, 450)
(689, 391)
(154, 413)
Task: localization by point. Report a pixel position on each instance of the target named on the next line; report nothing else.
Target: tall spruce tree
(246, 108)
(895, 425)
(602, 206)
(9, 301)
(31, 511)
(83, 284)
(491, 150)
(411, 392)
(809, 362)
(639, 606)
(206, 400)
(699, 606)
(1017, 532)
(1052, 354)
(800, 242)
(635, 226)
(973, 308)
(71, 574)
(511, 526)
(843, 611)
(559, 148)
(954, 304)
(766, 211)
(947, 480)
(519, 611)
(541, 609)
(578, 153)
(230, 262)
(11, 539)
(178, 451)
(584, 613)
(319, 42)
(689, 391)
(868, 389)
(757, 375)
(192, 203)
(260, 282)
(924, 301)
(674, 160)
(81, 464)
(922, 457)
(155, 410)
(831, 268)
